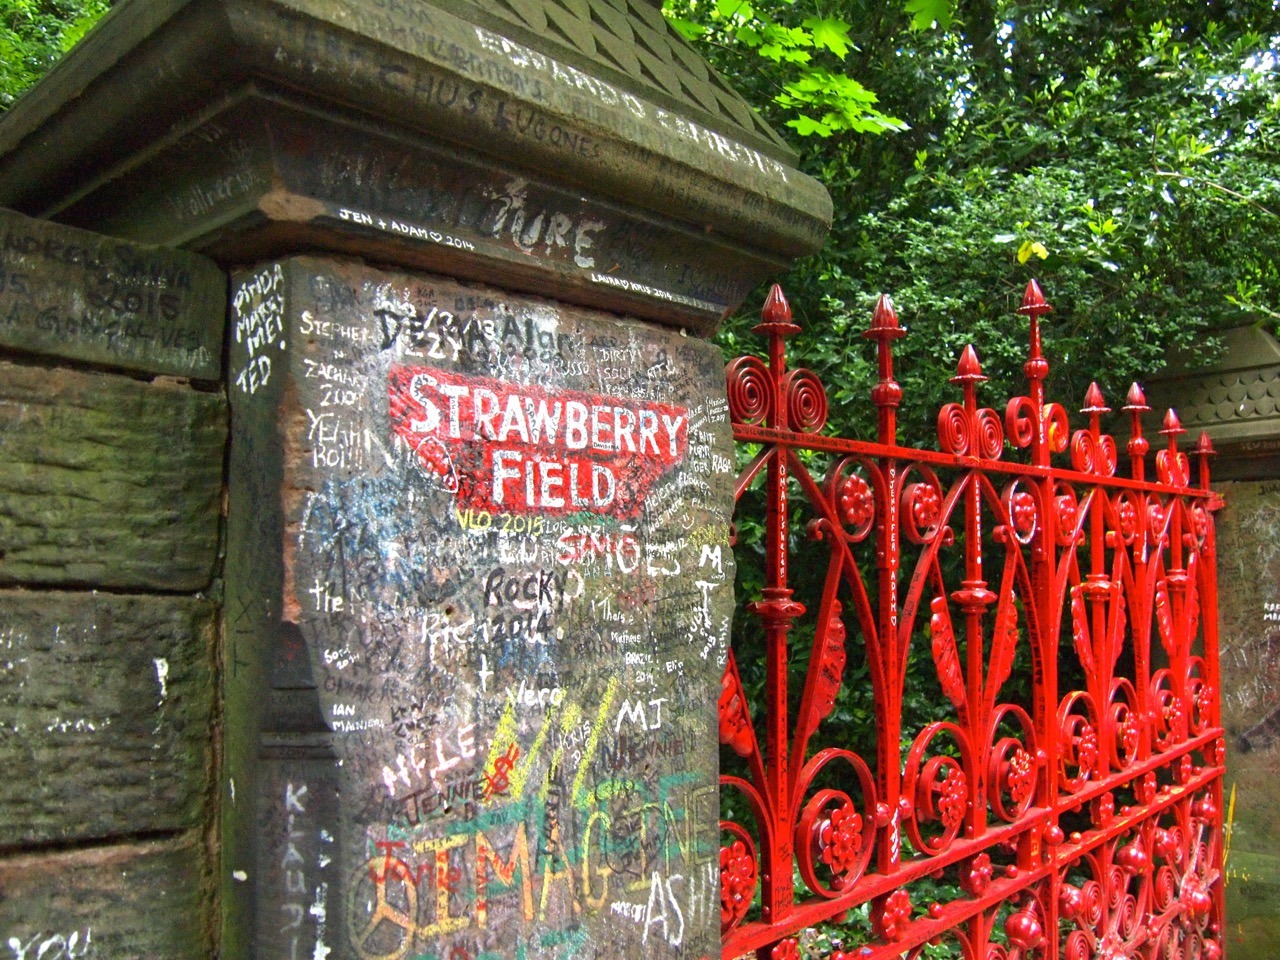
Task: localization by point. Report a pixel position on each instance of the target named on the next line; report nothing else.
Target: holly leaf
(925, 13)
(1164, 614)
(1080, 632)
(1004, 639)
(946, 656)
(829, 33)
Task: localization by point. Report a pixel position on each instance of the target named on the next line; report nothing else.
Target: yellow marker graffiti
(1227, 829)
(593, 741)
(506, 732)
(520, 776)
(503, 736)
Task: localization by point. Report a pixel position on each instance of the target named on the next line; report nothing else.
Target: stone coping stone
(77, 295)
(296, 178)
(1235, 400)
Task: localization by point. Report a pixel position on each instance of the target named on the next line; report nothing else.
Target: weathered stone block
(479, 588)
(131, 902)
(108, 481)
(78, 295)
(105, 714)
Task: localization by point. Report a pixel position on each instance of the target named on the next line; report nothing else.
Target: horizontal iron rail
(820, 443)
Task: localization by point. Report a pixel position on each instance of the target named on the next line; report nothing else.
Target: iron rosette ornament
(1186, 921)
(1105, 899)
(834, 836)
(1012, 930)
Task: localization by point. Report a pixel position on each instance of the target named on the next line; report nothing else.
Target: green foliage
(1131, 164)
(35, 33)
(930, 13)
(793, 61)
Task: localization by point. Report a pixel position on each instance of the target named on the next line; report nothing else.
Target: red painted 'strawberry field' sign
(519, 448)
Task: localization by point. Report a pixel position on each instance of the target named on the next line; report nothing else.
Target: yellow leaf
(1030, 248)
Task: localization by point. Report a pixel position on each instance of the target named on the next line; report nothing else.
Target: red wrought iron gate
(1063, 798)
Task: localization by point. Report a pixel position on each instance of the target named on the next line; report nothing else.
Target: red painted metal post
(887, 396)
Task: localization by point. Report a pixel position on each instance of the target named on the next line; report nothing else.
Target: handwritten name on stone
(71, 293)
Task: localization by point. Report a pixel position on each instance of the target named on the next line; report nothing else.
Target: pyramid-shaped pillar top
(577, 149)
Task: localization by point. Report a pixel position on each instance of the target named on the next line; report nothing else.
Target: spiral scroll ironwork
(750, 391)
(806, 401)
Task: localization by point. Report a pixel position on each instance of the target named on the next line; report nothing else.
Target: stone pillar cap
(1234, 400)
(599, 100)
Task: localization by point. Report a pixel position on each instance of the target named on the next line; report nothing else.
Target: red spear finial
(776, 309)
(1093, 400)
(884, 318)
(1136, 406)
(968, 370)
(1033, 301)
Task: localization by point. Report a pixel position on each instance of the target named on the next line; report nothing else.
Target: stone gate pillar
(1236, 401)
(478, 575)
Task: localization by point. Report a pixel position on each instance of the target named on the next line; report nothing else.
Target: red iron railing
(1064, 798)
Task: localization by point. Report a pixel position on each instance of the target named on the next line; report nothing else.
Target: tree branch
(1217, 186)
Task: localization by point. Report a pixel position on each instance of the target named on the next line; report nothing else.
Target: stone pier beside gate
(1236, 401)
(425, 461)
(495, 625)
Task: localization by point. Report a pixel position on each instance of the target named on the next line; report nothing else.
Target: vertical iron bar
(887, 395)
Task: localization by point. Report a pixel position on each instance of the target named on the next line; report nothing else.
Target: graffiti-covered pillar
(477, 580)
(1235, 401)
(482, 539)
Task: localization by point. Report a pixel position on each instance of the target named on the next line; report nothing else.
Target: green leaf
(787, 36)
(734, 10)
(795, 56)
(76, 30)
(832, 34)
(807, 126)
(925, 13)
(687, 28)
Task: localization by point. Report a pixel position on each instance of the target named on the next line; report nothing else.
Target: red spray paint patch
(517, 448)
